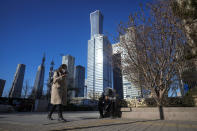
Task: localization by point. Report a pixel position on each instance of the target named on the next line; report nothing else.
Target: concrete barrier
(170, 113)
(40, 105)
(6, 108)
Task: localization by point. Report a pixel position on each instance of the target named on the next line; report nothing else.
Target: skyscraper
(17, 85)
(129, 89)
(70, 62)
(96, 21)
(79, 80)
(99, 72)
(2, 84)
(39, 81)
(117, 75)
(118, 82)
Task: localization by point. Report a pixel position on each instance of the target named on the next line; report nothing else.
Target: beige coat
(58, 90)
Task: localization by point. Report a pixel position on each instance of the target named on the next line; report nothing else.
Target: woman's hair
(63, 66)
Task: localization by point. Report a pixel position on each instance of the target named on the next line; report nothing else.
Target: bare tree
(186, 11)
(150, 47)
(26, 89)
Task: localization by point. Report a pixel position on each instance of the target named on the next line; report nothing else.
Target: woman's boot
(49, 116)
(61, 118)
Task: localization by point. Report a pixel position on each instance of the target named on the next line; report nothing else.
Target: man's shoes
(101, 117)
(62, 120)
(112, 117)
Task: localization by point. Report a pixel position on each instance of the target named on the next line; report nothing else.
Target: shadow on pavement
(104, 125)
(80, 118)
(88, 118)
(54, 122)
(2, 117)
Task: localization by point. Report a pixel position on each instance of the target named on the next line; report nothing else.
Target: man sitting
(107, 103)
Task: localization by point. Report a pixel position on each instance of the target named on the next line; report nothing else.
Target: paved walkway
(87, 121)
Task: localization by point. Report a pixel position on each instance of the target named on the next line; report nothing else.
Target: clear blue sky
(28, 28)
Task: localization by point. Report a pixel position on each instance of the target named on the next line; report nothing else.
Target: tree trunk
(161, 113)
(160, 107)
(160, 104)
(142, 96)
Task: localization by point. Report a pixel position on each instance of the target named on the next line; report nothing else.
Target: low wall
(170, 113)
(41, 105)
(6, 108)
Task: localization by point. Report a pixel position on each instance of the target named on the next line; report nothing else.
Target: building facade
(39, 81)
(17, 85)
(70, 62)
(129, 90)
(2, 84)
(117, 75)
(96, 22)
(85, 89)
(79, 80)
(99, 66)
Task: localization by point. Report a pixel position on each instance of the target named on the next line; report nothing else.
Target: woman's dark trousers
(59, 109)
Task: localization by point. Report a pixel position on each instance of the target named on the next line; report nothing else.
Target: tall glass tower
(79, 80)
(17, 85)
(124, 88)
(70, 62)
(39, 81)
(99, 66)
(96, 21)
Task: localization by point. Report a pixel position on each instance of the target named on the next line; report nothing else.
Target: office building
(70, 62)
(119, 80)
(17, 84)
(99, 66)
(130, 90)
(39, 81)
(79, 80)
(2, 84)
(117, 75)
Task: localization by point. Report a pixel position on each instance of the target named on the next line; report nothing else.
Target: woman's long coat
(59, 89)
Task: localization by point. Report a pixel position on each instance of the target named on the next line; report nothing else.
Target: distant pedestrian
(59, 92)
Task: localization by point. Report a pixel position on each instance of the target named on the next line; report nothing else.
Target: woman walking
(59, 92)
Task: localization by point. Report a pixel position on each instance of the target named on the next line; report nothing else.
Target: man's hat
(108, 91)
